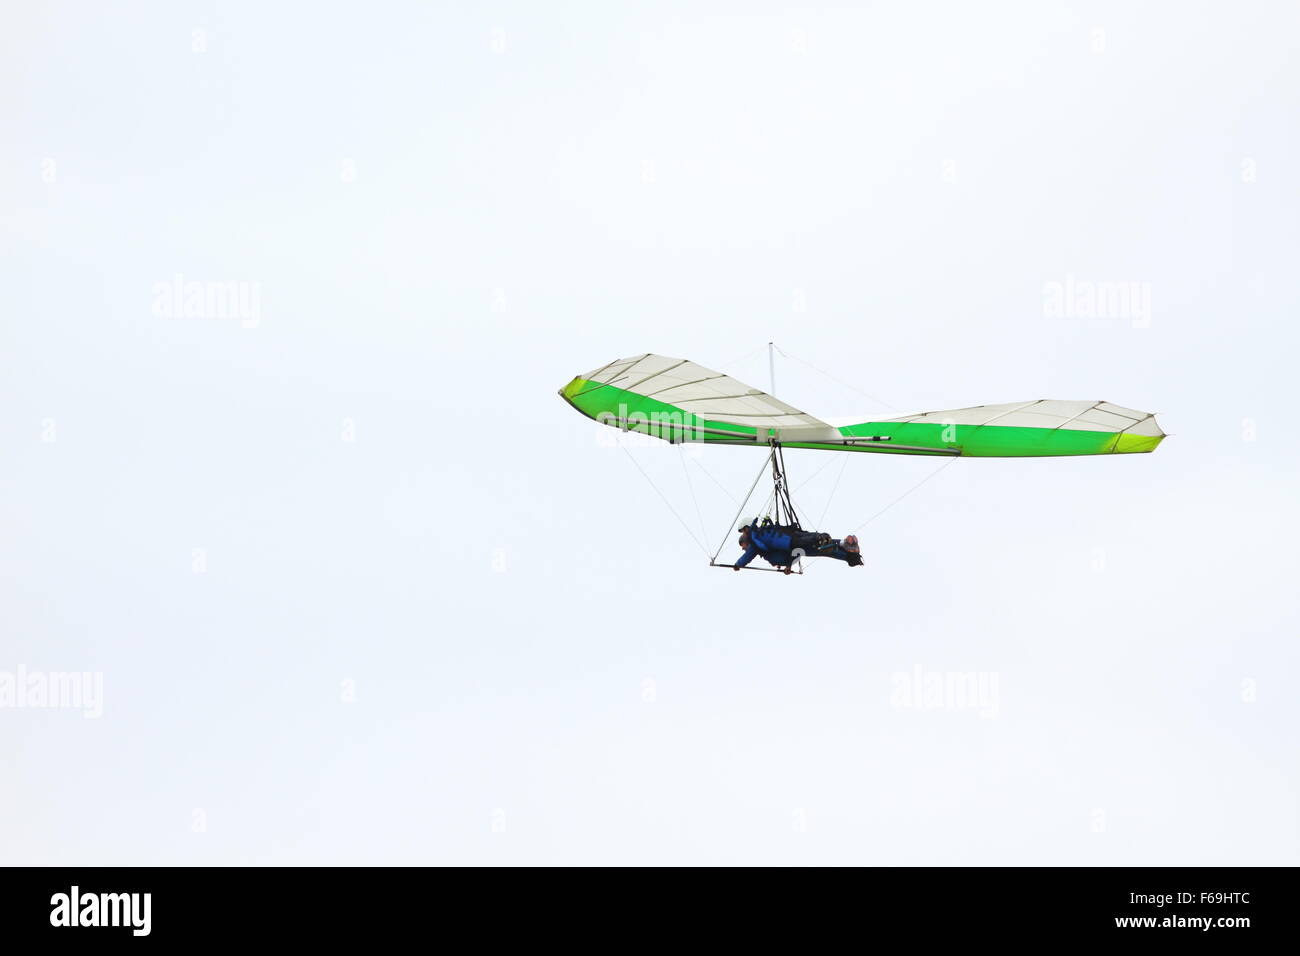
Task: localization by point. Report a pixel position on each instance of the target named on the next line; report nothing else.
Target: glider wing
(677, 400)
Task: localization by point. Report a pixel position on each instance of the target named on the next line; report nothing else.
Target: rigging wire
(725, 490)
(830, 460)
(834, 378)
(835, 487)
(665, 499)
(904, 495)
(681, 453)
(745, 358)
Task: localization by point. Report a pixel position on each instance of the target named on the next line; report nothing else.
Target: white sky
(448, 213)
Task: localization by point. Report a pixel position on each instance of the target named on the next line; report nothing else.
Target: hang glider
(678, 400)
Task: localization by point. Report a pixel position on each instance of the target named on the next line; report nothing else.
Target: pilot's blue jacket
(772, 543)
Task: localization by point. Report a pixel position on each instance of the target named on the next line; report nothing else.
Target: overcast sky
(288, 295)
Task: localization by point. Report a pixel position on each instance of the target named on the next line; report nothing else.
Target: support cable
(836, 379)
(704, 532)
(665, 499)
(904, 494)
